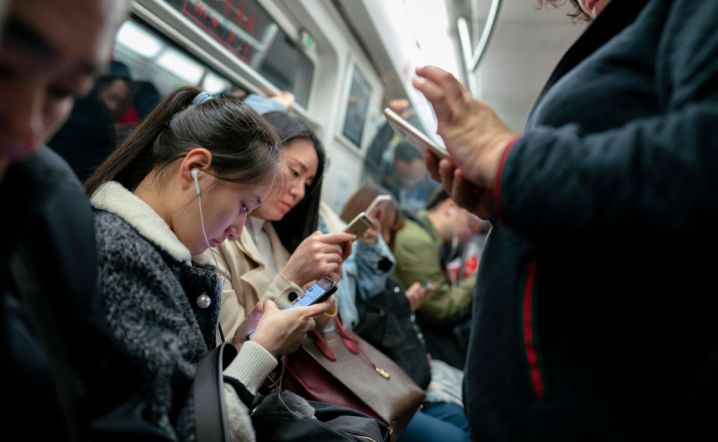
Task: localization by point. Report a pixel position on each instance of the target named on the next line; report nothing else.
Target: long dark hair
(303, 219)
(243, 146)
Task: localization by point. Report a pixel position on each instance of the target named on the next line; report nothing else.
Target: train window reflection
(214, 84)
(150, 57)
(133, 36)
(180, 66)
(357, 107)
(245, 28)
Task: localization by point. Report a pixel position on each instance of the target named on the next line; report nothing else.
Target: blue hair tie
(201, 98)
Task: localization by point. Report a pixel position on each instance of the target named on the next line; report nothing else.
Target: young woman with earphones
(281, 251)
(183, 181)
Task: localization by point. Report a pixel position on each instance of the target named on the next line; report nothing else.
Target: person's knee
(426, 428)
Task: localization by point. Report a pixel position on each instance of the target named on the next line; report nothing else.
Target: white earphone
(195, 176)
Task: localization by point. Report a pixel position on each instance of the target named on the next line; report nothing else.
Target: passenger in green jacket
(418, 256)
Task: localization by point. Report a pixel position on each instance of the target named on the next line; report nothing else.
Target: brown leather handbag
(341, 368)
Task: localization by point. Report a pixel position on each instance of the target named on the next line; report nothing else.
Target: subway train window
(398, 166)
(150, 57)
(145, 68)
(356, 107)
(247, 30)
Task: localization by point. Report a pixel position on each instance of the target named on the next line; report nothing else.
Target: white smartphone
(378, 201)
(360, 224)
(413, 135)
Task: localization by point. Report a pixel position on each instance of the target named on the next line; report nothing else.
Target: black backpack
(386, 322)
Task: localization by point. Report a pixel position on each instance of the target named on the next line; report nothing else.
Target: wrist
(251, 366)
(496, 155)
(289, 276)
(496, 181)
(266, 343)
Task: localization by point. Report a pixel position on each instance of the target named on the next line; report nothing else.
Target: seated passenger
(417, 249)
(145, 97)
(186, 179)
(63, 375)
(409, 181)
(281, 251)
(388, 221)
(367, 273)
(444, 316)
(87, 138)
(90, 133)
(380, 153)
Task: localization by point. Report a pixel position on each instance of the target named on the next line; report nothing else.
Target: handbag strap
(349, 341)
(322, 345)
(352, 344)
(209, 411)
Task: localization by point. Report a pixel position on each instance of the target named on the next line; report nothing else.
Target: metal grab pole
(472, 59)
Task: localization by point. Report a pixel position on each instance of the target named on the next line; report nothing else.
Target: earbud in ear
(195, 176)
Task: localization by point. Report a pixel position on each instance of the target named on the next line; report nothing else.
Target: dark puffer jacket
(595, 308)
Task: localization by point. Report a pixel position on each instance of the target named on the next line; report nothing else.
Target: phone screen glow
(311, 295)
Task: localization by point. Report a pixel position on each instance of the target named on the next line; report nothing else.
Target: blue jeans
(437, 421)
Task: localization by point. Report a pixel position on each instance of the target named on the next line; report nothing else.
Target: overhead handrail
(472, 59)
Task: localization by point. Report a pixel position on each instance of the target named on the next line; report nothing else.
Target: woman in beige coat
(280, 251)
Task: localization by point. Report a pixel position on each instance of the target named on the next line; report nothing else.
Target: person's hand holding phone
(474, 135)
(280, 331)
(318, 255)
(377, 204)
(417, 293)
(364, 227)
(369, 237)
(475, 199)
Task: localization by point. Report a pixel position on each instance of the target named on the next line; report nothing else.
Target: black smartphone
(320, 291)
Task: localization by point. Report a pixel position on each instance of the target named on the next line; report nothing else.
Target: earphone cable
(211, 252)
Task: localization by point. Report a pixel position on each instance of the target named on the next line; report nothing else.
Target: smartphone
(378, 201)
(413, 135)
(360, 224)
(320, 291)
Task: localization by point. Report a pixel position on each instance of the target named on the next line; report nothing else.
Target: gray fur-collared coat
(149, 292)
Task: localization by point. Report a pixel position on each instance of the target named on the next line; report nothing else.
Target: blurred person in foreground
(64, 376)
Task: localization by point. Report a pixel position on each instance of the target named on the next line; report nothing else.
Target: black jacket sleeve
(651, 176)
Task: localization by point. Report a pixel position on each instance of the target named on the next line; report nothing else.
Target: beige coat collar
(259, 278)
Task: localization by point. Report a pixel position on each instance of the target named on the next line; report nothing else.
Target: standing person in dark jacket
(595, 317)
